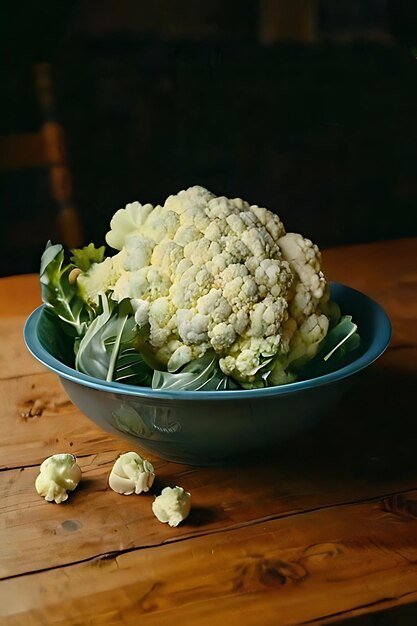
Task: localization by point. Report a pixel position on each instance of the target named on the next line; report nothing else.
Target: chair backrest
(45, 151)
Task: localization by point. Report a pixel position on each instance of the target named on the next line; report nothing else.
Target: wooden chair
(46, 151)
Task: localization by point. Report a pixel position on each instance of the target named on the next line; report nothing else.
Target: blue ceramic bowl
(213, 427)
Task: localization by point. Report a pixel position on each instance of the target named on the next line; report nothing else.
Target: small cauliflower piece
(131, 474)
(58, 475)
(172, 506)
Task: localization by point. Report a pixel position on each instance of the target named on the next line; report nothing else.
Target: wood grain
(276, 572)
(363, 455)
(37, 419)
(19, 295)
(322, 529)
(387, 272)
(15, 359)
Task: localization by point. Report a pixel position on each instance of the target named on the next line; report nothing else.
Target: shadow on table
(398, 616)
(369, 437)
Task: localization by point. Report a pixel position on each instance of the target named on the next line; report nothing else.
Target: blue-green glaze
(212, 427)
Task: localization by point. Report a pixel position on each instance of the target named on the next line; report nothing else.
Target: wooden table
(324, 532)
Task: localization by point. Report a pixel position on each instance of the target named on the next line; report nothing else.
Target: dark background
(308, 107)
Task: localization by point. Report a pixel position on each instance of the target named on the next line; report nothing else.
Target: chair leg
(69, 227)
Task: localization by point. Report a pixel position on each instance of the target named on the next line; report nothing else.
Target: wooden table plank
(351, 455)
(15, 360)
(275, 568)
(19, 295)
(37, 419)
(385, 271)
(258, 520)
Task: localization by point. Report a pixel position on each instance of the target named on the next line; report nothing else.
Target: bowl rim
(377, 347)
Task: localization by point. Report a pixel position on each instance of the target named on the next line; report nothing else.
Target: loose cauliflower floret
(212, 273)
(172, 506)
(59, 474)
(131, 474)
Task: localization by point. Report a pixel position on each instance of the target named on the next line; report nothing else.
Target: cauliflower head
(212, 273)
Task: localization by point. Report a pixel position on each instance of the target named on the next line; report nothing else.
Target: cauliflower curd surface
(211, 273)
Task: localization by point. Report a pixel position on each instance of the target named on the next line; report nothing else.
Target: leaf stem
(116, 348)
(350, 333)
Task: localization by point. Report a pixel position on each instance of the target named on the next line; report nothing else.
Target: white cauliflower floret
(192, 327)
(181, 355)
(161, 225)
(222, 336)
(272, 223)
(172, 506)
(303, 346)
(186, 234)
(304, 259)
(126, 222)
(161, 318)
(212, 273)
(59, 474)
(131, 474)
(215, 305)
(138, 252)
(133, 285)
(167, 257)
(98, 279)
(141, 310)
(307, 338)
